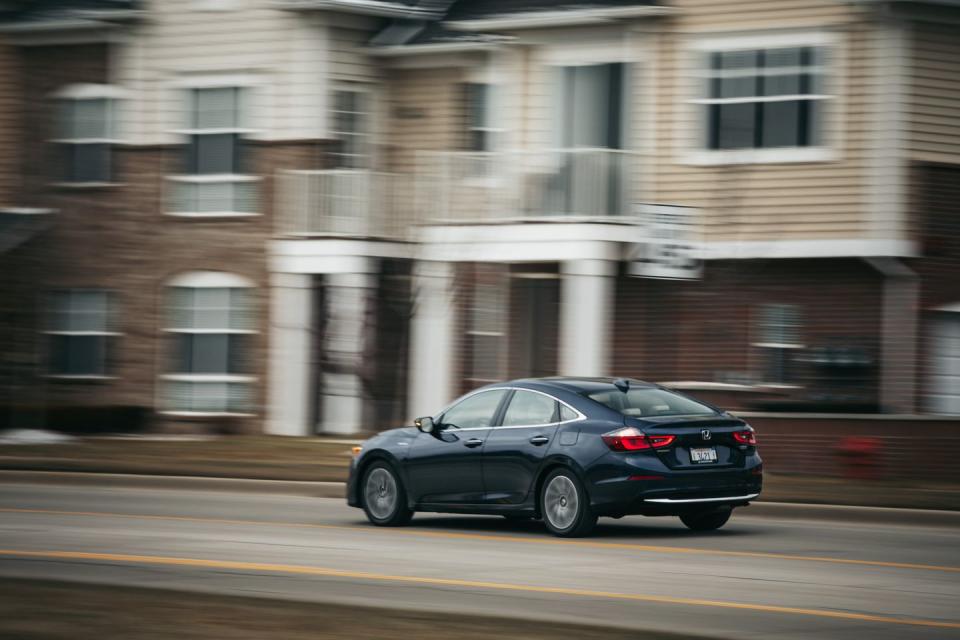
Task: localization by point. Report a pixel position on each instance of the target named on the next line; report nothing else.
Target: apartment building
(306, 216)
(146, 136)
(755, 201)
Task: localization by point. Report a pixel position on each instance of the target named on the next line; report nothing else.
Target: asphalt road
(759, 577)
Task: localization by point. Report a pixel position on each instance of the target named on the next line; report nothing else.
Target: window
(591, 106)
(80, 332)
(215, 132)
(85, 138)
(210, 325)
(215, 158)
(480, 131)
(487, 331)
(651, 401)
(778, 336)
(351, 127)
(764, 98)
(476, 411)
(529, 408)
(589, 172)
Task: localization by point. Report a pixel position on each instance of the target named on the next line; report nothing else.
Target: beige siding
(281, 54)
(767, 201)
(933, 118)
(426, 112)
(743, 15)
(348, 60)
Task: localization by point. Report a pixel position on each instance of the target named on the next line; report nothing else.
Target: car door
(445, 467)
(516, 447)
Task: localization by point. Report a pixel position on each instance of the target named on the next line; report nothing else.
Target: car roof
(577, 385)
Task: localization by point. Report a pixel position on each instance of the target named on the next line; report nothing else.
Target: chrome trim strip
(750, 496)
(579, 417)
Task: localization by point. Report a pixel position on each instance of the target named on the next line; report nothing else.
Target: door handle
(473, 442)
(539, 440)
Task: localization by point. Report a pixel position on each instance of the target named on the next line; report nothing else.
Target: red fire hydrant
(860, 457)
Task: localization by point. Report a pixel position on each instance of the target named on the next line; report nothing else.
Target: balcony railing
(447, 187)
(581, 183)
(343, 202)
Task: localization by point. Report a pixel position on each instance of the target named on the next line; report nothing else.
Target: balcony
(343, 202)
(575, 184)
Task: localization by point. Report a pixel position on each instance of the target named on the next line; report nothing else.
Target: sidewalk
(325, 461)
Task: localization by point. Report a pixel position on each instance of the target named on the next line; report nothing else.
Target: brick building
(327, 215)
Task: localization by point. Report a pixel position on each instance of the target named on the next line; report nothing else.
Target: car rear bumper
(624, 485)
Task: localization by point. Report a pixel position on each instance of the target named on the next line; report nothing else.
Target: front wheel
(708, 520)
(384, 500)
(566, 506)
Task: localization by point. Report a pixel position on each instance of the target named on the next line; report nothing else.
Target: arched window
(86, 132)
(210, 323)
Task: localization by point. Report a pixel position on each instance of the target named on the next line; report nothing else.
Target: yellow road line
(420, 533)
(473, 584)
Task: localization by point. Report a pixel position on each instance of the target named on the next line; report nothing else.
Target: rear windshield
(650, 402)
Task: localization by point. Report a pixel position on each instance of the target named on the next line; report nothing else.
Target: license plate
(701, 456)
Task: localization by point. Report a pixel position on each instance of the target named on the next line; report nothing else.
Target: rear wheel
(384, 499)
(566, 506)
(707, 520)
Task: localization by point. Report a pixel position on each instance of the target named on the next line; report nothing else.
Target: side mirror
(425, 425)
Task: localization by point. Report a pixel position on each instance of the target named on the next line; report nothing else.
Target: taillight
(630, 439)
(747, 436)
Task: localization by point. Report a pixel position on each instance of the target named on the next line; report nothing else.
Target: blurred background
(239, 236)
(326, 217)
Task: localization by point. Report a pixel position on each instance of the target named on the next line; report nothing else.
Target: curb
(759, 509)
(178, 483)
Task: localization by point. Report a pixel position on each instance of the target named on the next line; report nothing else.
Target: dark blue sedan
(564, 450)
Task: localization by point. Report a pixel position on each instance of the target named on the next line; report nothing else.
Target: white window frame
(185, 89)
(112, 96)
(365, 155)
(502, 292)
(201, 280)
(108, 333)
(762, 346)
(693, 139)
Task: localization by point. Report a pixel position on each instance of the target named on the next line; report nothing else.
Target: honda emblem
(705, 434)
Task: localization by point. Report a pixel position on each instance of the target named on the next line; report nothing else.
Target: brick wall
(921, 449)
(703, 329)
(9, 125)
(119, 238)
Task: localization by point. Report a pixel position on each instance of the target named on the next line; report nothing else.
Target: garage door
(945, 360)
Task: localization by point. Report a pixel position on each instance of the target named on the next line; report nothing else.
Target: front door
(445, 467)
(516, 448)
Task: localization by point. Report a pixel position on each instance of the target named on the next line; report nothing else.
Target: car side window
(529, 408)
(566, 413)
(474, 412)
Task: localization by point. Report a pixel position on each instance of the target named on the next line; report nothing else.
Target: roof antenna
(622, 383)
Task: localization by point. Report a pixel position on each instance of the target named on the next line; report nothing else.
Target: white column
(432, 355)
(898, 350)
(291, 345)
(349, 302)
(586, 316)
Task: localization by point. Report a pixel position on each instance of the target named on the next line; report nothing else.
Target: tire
(709, 520)
(384, 497)
(565, 505)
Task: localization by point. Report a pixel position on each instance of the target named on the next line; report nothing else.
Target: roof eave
(438, 48)
(362, 7)
(80, 21)
(540, 19)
